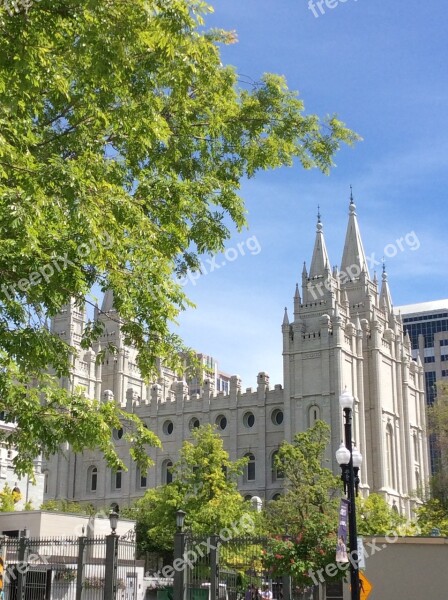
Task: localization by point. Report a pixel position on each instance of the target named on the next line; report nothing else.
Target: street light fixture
(113, 520)
(350, 460)
(180, 519)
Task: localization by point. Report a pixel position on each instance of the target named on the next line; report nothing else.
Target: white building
(343, 333)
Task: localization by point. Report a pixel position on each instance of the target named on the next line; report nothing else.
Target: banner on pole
(341, 547)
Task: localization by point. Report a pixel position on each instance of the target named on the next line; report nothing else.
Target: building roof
(423, 307)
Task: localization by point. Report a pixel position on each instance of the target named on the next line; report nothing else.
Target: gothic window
(416, 449)
(390, 457)
(277, 472)
(167, 476)
(418, 482)
(276, 497)
(313, 415)
(92, 479)
(250, 467)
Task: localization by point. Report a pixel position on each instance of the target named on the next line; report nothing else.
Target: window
(117, 433)
(250, 467)
(221, 422)
(390, 458)
(194, 423)
(92, 479)
(117, 477)
(168, 427)
(431, 359)
(444, 373)
(167, 476)
(247, 498)
(277, 472)
(277, 416)
(276, 497)
(45, 482)
(444, 342)
(249, 420)
(416, 449)
(313, 415)
(142, 479)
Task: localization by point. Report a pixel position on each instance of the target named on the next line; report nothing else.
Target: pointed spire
(320, 258)
(285, 318)
(304, 271)
(108, 301)
(297, 302)
(353, 257)
(385, 297)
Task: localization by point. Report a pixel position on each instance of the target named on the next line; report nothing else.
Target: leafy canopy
(123, 141)
(204, 486)
(307, 512)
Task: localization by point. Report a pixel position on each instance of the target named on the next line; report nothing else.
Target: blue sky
(382, 67)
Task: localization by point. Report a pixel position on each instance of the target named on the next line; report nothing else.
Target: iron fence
(68, 568)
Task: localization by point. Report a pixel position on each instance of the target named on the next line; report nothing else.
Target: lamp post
(110, 569)
(179, 549)
(350, 460)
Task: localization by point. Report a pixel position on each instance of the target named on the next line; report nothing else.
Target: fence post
(80, 566)
(286, 587)
(179, 549)
(214, 567)
(22, 565)
(110, 572)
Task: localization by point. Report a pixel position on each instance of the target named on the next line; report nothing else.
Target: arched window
(416, 449)
(167, 476)
(276, 497)
(277, 472)
(117, 479)
(141, 479)
(45, 482)
(418, 482)
(390, 457)
(313, 415)
(250, 467)
(92, 479)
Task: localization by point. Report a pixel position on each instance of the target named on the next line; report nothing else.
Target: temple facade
(342, 333)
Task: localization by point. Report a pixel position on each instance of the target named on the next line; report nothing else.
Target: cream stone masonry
(344, 333)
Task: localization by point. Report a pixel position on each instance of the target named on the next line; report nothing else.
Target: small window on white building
(167, 475)
(250, 467)
(277, 472)
(313, 415)
(117, 479)
(92, 479)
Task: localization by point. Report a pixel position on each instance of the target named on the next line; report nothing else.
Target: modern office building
(427, 326)
(343, 332)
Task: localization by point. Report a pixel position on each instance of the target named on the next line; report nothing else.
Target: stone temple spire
(320, 260)
(108, 301)
(385, 297)
(353, 257)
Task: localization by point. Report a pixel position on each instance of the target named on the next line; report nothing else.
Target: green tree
(307, 512)
(8, 499)
(67, 506)
(438, 427)
(376, 517)
(123, 141)
(431, 516)
(204, 486)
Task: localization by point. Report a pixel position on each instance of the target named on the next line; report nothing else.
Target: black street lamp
(113, 520)
(350, 460)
